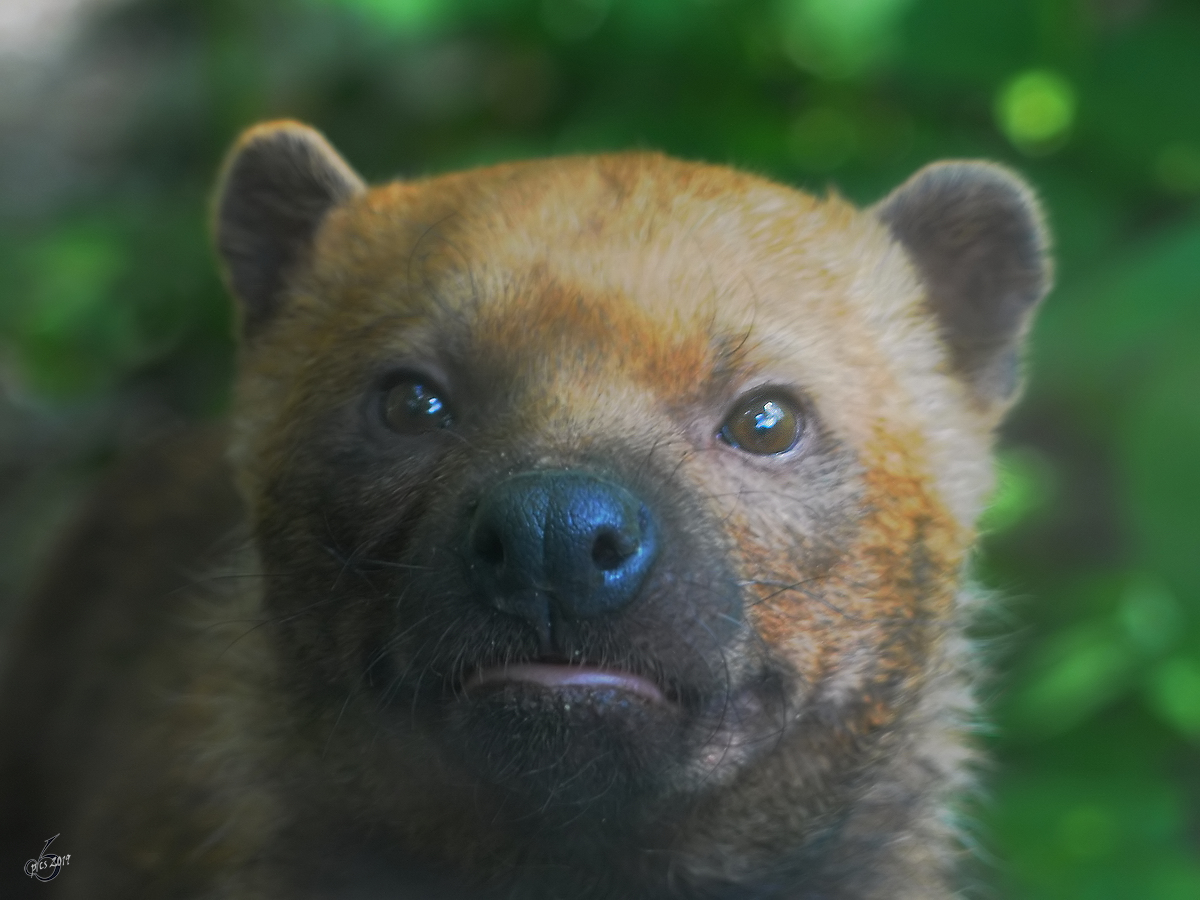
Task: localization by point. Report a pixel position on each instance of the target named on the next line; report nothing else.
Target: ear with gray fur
(974, 232)
(279, 181)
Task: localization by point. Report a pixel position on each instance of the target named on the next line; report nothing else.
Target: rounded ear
(278, 182)
(974, 232)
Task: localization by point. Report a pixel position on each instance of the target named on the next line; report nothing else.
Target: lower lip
(560, 677)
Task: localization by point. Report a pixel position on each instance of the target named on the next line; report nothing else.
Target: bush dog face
(617, 507)
(612, 514)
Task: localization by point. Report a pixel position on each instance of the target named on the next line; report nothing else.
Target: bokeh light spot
(399, 16)
(1025, 484)
(839, 39)
(1036, 109)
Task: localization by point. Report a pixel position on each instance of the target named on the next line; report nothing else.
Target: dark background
(113, 324)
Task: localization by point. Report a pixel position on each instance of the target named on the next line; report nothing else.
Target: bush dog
(606, 528)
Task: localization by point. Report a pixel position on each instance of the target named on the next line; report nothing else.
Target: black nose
(561, 540)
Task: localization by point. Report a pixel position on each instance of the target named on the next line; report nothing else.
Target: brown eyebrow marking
(543, 319)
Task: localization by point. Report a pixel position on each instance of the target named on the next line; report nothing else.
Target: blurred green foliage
(107, 282)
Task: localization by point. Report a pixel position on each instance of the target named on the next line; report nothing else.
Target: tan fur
(605, 302)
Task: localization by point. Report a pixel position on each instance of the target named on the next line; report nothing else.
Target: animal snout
(560, 542)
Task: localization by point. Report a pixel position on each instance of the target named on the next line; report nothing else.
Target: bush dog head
(614, 510)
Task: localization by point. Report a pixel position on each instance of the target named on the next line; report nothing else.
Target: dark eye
(764, 423)
(411, 405)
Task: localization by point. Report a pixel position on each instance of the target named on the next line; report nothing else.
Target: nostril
(489, 547)
(609, 551)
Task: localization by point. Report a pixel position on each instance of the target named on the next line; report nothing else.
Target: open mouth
(562, 676)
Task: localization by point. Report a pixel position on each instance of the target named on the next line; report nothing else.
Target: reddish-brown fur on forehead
(638, 252)
(637, 263)
(639, 225)
(572, 334)
(580, 269)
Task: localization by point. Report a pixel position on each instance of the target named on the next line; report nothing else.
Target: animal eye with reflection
(414, 405)
(765, 423)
